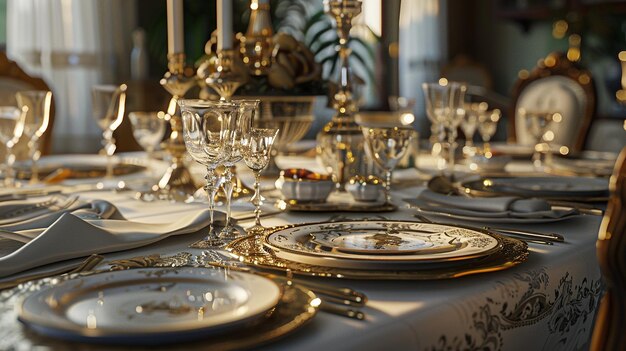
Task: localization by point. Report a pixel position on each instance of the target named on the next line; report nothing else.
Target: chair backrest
(12, 80)
(610, 326)
(554, 85)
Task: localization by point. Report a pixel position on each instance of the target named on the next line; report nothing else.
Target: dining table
(547, 302)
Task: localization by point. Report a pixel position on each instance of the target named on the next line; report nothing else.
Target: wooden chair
(555, 85)
(610, 326)
(12, 80)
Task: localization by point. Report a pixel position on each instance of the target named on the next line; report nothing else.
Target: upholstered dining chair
(12, 80)
(555, 85)
(610, 326)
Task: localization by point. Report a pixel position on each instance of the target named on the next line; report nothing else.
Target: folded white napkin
(487, 208)
(488, 204)
(96, 227)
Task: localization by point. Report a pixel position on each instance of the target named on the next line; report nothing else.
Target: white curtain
(422, 50)
(72, 44)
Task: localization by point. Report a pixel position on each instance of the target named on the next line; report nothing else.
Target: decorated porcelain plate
(147, 306)
(376, 244)
(81, 166)
(546, 187)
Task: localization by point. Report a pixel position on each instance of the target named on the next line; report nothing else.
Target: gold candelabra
(229, 75)
(176, 184)
(256, 45)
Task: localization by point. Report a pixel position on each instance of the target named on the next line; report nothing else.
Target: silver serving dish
(366, 189)
(304, 186)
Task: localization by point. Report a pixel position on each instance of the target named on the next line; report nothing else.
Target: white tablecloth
(546, 303)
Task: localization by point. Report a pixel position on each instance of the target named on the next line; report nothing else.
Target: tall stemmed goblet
(108, 104)
(148, 130)
(469, 124)
(236, 125)
(386, 146)
(36, 121)
(444, 107)
(487, 125)
(257, 148)
(11, 129)
(204, 131)
(537, 123)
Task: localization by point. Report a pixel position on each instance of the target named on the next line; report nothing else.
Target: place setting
(160, 306)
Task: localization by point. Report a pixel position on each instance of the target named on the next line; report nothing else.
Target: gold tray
(294, 205)
(295, 309)
(512, 253)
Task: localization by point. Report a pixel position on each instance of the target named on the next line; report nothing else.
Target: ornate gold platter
(331, 206)
(511, 252)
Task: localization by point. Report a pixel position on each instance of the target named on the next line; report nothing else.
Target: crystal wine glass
(537, 123)
(257, 147)
(11, 129)
(236, 126)
(386, 146)
(469, 124)
(444, 107)
(487, 125)
(36, 120)
(148, 129)
(108, 106)
(204, 132)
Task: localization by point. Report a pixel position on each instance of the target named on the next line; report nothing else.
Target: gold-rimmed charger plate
(511, 253)
(296, 308)
(150, 305)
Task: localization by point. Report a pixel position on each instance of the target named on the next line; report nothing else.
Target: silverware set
(342, 301)
(83, 266)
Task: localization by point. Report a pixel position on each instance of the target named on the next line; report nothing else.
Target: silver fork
(86, 265)
(528, 236)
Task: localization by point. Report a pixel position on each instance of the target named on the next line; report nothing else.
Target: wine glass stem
(388, 187)
(9, 177)
(34, 156)
(228, 191)
(211, 190)
(109, 149)
(451, 148)
(257, 198)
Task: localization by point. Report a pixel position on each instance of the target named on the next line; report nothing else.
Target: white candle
(224, 25)
(175, 31)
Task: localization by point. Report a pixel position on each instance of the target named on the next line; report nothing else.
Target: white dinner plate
(482, 217)
(541, 187)
(149, 306)
(380, 244)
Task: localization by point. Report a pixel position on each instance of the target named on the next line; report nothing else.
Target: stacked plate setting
(556, 188)
(382, 245)
(150, 306)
